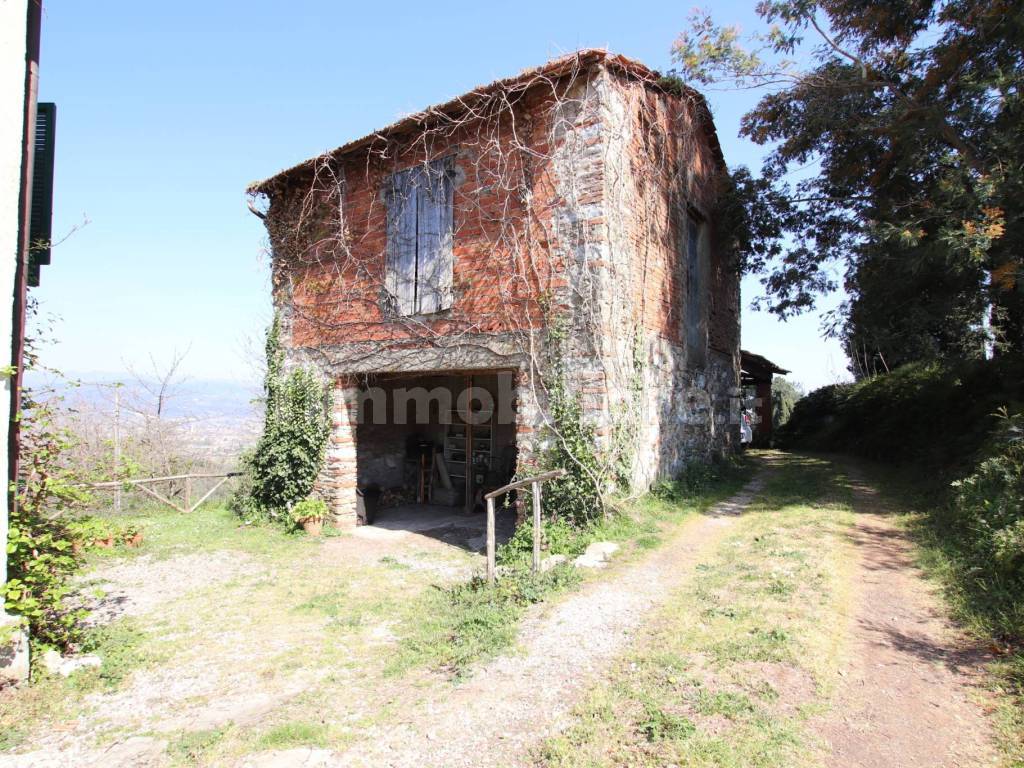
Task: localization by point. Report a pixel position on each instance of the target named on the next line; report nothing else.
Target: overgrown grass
(212, 527)
(294, 734)
(713, 680)
(457, 627)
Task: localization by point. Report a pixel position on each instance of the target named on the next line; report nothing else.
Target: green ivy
(572, 445)
(283, 467)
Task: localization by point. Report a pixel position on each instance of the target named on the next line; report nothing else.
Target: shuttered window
(41, 217)
(419, 255)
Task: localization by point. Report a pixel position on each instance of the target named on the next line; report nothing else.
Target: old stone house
(556, 229)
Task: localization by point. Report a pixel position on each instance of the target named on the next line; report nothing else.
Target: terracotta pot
(105, 543)
(313, 527)
(135, 540)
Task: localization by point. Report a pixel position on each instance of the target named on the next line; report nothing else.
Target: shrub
(41, 556)
(290, 453)
(987, 515)
(935, 415)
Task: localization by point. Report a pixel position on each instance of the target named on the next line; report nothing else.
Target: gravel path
(514, 702)
(909, 696)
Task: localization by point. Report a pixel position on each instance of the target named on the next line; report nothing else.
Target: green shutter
(41, 215)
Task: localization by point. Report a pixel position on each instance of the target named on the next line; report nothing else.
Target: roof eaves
(558, 67)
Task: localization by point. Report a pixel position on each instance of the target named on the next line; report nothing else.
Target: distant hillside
(220, 417)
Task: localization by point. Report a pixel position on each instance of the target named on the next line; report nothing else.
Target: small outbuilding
(756, 373)
(552, 237)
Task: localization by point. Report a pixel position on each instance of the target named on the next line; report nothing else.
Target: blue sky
(166, 111)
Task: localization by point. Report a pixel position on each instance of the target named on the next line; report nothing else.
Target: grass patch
(121, 648)
(210, 528)
(294, 734)
(452, 629)
(193, 748)
(700, 687)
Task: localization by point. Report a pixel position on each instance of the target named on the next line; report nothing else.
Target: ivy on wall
(290, 454)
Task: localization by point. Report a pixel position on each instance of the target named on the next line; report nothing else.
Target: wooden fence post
(536, 527)
(534, 482)
(490, 541)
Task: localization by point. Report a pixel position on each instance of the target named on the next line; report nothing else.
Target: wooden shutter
(400, 280)
(40, 229)
(434, 238)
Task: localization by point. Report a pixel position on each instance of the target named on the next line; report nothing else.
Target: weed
(475, 621)
(119, 647)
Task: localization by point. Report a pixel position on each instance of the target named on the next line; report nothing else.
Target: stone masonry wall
(658, 164)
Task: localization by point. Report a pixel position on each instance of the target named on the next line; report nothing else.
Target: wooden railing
(142, 484)
(534, 482)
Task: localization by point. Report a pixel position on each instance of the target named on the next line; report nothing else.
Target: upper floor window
(420, 227)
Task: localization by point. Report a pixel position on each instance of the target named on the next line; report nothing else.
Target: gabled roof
(563, 65)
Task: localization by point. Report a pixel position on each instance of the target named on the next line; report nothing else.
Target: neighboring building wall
(14, 655)
(13, 16)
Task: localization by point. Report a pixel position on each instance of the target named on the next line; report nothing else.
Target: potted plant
(310, 514)
(131, 536)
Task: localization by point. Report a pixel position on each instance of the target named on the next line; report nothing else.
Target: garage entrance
(430, 445)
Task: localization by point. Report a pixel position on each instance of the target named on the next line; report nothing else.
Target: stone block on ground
(68, 665)
(14, 652)
(552, 561)
(596, 555)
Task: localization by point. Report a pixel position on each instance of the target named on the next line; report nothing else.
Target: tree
(906, 122)
(785, 395)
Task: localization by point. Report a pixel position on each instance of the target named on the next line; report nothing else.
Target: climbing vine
(286, 461)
